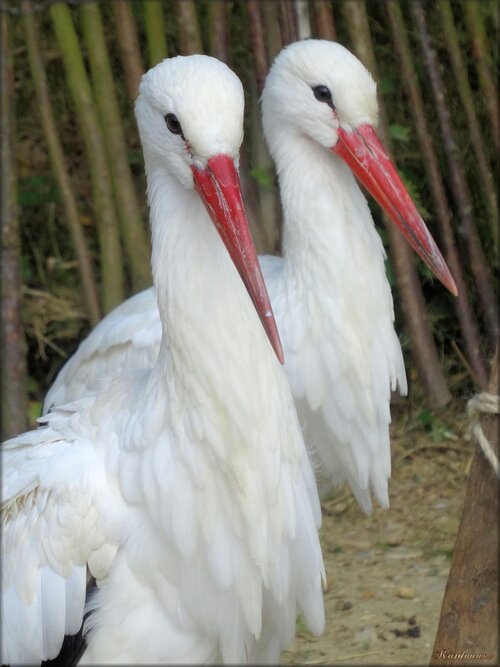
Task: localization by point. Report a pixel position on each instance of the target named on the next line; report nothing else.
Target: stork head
(190, 118)
(321, 90)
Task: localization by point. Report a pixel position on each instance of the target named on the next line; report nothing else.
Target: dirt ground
(387, 572)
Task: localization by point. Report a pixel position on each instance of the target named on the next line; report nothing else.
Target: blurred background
(75, 238)
(75, 243)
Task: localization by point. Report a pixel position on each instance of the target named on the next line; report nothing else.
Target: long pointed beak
(363, 152)
(218, 185)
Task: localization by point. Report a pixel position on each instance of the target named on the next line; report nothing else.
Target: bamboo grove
(73, 215)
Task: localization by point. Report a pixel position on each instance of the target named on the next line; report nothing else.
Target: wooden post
(468, 625)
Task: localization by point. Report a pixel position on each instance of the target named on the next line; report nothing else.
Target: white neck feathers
(328, 228)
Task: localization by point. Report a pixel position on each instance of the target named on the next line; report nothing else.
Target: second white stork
(186, 489)
(330, 294)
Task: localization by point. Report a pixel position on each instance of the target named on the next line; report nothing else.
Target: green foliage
(387, 85)
(437, 430)
(34, 411)
(400, 132)
(26, 270)
(389, 272)
(37, 190)
(262, 177)
(415, 190)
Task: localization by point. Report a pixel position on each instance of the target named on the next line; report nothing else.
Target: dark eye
(173, 123)
(323, 94)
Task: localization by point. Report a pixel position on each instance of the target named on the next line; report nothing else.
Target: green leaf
(135, 157)
(426, 418)
(400, 132)
(32, 384)
(36, 190)
(26, 271)
(34, 411)
(386, 85)
(389, 272)
(437, 430)
(415, 194)
(263, 177)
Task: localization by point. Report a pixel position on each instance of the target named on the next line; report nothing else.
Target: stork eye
(173, 124)
(323, 94)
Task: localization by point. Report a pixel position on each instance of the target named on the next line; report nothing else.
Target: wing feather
(50, 528)
(342, 362)
(53, 610)
(128, 338)
(75, 589)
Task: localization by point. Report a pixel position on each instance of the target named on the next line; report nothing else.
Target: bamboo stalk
(272, 30)
(154, 22)
(134, 236)
(288, 21)
(109, 237)
(485, 67)
(13, 362)
(264, 198)
(262, 163)
(128, 42)
(356, 19)
(412, 301)
(257, 42)
(303, 19)
(323, 20)
(478, 261)
(59, 165)
(267, 203)
(218, 39)
(493, 13)
(469, 103)
(409, 78)
(189, 29)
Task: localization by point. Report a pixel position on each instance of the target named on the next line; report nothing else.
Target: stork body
(335, 314)
(329, 292)
(186, 489)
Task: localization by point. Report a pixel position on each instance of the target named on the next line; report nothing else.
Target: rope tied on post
(484, 403)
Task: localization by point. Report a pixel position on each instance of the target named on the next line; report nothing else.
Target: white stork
(330, 294)
(186, 489)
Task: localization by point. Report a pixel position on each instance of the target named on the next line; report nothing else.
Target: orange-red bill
(364, 153)
(218, 185)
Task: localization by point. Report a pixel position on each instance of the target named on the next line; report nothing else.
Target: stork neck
(188, 257)
(324, 209)
(206, 313)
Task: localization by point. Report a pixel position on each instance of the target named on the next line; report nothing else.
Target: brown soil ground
(387, 572)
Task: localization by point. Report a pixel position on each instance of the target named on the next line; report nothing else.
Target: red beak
(363, 152)
(218, 185)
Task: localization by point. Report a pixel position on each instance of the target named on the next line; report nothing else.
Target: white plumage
(186, 489)
(330, 294)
